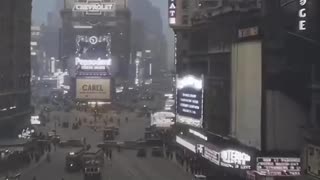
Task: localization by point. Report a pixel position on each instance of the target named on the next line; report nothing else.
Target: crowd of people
(16, 159)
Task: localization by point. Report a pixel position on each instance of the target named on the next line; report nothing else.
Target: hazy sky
(42, 7)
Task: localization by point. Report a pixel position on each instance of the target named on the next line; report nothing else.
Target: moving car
(157, 152)
(141, 152)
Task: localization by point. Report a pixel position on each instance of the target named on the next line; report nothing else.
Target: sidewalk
(26, 169)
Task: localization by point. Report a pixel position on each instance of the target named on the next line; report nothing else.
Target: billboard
(190, 101)
(94, 7)
(278, 166)
(93, 89)
(91, 47)
(247, 92)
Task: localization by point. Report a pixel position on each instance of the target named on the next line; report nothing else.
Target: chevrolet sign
(94, 8)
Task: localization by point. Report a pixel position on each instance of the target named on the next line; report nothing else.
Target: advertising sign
(93, 89)
(235, 159)
(172, 12)
(302, 14)
(190, 101)
(162, 119)
(35, 120)
(278, 166)
(211, 155)
(93, 47)
(94, 7)
(186, 144)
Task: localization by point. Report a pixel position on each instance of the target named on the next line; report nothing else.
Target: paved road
(123, 166)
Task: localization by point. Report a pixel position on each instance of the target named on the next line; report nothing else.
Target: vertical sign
(172, 12)
(302, 15)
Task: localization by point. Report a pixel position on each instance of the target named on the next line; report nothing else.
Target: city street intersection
(124, 165)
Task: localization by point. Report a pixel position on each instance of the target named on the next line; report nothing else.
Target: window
(185, 4)
(185, 19)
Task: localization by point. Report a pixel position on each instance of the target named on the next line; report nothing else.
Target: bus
(94, 153)
(93, 161)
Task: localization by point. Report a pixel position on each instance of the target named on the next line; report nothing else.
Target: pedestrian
(110, 155)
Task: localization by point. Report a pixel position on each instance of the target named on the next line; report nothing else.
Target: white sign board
(186, 144)
(93, 89)
(94, 7)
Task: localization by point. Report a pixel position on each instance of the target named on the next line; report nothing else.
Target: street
(123, 165)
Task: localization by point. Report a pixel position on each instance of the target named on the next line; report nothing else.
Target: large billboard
(93, 47)
(93, 89)
(247, 92)
(190, 100)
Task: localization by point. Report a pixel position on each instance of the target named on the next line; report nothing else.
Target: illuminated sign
(211, 155)
(302, 13)
(248, 32)
(172, 11)
(190, 101)
(93, 67)
(94, 7)
(93, 40)
(189, 81)
(278, 166)
(35, 120)
(162, 119)
(235, 159)
(92, 62)
(186, 144)
(93, 89)
(196, 133)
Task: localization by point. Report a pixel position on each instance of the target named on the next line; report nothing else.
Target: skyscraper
(14, 65)
(154, 38)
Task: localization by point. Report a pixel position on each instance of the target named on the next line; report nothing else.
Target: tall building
(244, 86)
(15, 35)
(95, 41)
(153, 37)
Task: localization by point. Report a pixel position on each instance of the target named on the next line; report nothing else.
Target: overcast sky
(42, 7)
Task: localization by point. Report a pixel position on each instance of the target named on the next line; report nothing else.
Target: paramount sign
(94, 8)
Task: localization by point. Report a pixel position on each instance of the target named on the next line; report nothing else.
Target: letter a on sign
(172, 6)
